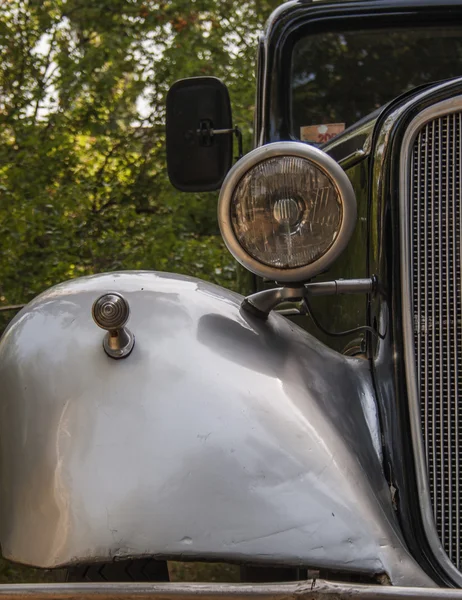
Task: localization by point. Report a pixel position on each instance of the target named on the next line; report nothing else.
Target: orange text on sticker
(321, 133)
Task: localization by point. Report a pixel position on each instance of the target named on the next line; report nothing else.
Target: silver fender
(221, 437)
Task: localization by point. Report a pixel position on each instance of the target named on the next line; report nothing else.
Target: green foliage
(14, 573)
(83, 185)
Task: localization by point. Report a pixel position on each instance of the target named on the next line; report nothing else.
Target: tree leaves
(83, 185)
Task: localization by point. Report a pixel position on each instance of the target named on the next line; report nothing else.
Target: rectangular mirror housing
(198, 159)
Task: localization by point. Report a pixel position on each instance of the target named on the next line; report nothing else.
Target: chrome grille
(435, 231)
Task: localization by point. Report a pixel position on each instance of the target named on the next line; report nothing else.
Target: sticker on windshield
(320, 134)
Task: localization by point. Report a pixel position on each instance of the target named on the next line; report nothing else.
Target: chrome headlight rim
(339, 180)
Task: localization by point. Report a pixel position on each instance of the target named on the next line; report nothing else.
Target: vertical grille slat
(457, 124)
(435, 230)
(447, 311)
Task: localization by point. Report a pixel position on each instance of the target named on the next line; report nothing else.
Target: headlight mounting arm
(262, 303)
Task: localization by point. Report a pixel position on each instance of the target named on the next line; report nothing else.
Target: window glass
(338, 78)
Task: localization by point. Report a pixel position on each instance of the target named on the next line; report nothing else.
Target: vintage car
(311, 431)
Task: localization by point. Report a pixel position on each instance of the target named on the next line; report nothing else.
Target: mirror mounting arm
(238, 134)
(206, 132)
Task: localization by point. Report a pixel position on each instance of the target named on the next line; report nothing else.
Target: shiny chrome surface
(262, 303)
(222, 437)
(313, 589)
(265, 301)
(431, 278)
(436, 244)
(111, 312)
(328, 166)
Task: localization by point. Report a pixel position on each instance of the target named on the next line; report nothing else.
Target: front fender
(221, 437)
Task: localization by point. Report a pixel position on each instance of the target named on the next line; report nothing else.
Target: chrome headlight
(286, 211)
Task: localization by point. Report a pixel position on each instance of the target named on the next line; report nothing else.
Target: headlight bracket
(262, 303)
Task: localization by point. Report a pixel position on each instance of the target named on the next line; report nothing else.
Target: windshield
(338, 78)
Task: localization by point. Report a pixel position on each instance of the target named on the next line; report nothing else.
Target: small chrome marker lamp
(111, 312)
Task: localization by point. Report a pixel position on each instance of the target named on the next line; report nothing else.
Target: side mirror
(199, 134)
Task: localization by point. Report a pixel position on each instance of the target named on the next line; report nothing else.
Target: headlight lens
(286, 212)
